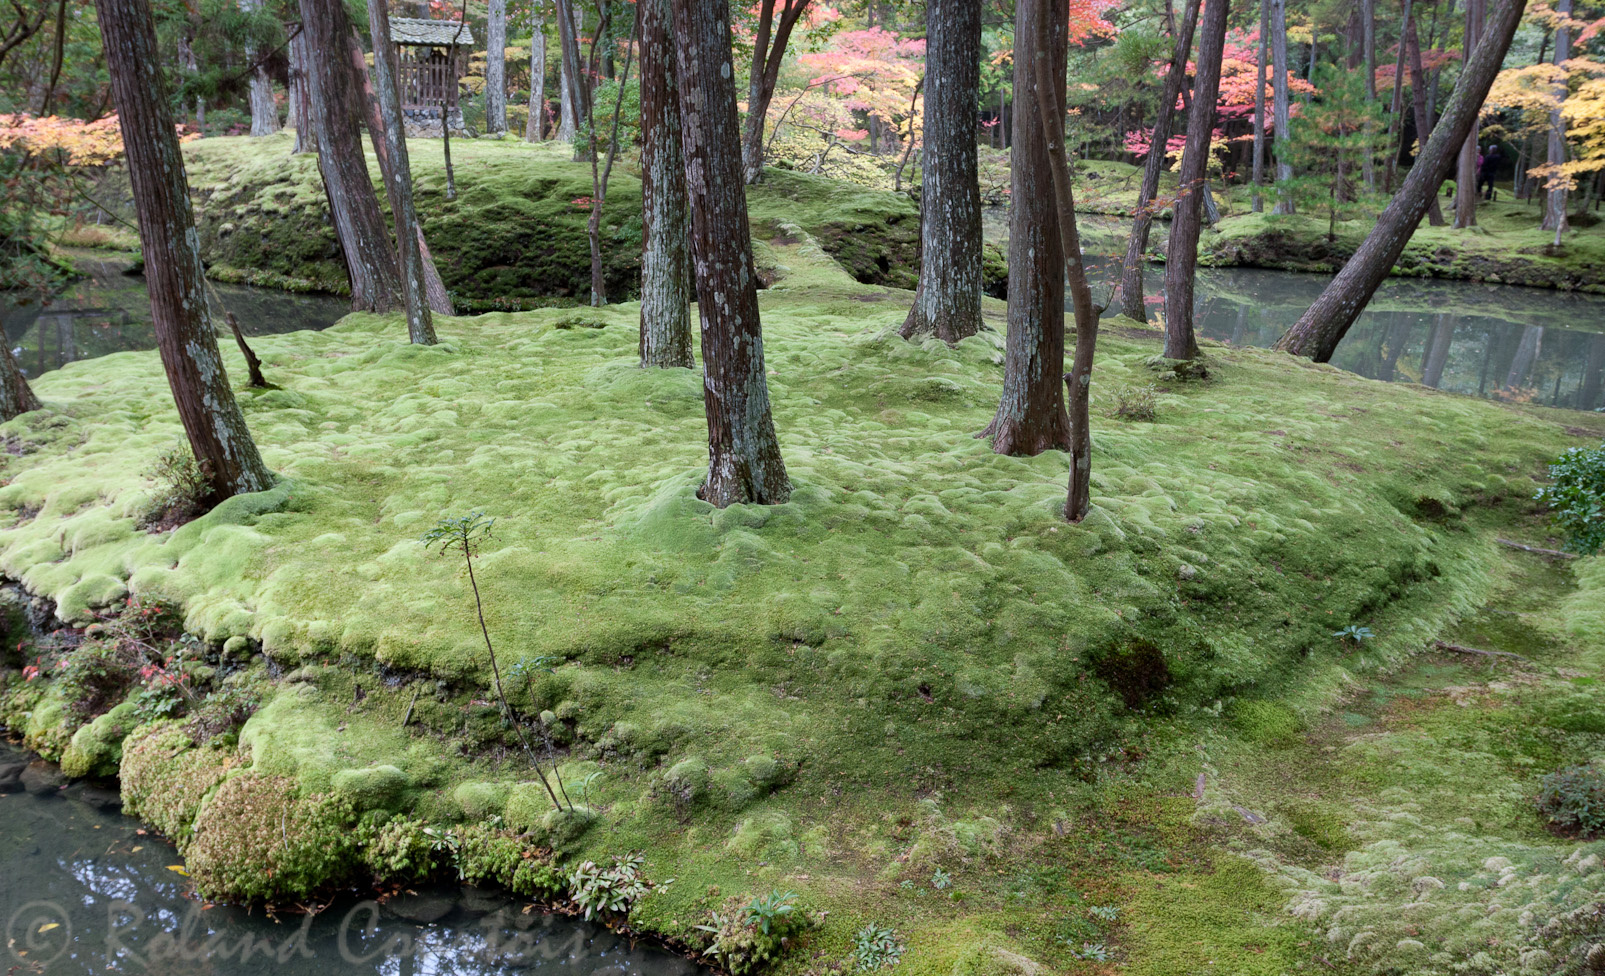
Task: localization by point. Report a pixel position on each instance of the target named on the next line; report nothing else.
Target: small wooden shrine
(433, 56)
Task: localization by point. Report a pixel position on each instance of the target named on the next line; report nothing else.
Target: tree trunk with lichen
(185, 335)
(535, 125)
(1323, 325)
(947, 303)
(1181, 260)
(1555, 202)
(16, 396)
(744, 462)
(496, 68)
(1281, 104)
(1031, 416)
(665, 250)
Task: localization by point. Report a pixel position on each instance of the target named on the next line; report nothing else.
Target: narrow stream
(84, 890)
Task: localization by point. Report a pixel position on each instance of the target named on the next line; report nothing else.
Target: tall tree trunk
(665, 251)
(1181, 261)
(1368, 33)
(1131, 272)
(16, 396)
(434, 289)
(390, 132)
(371, 263)
(1050, 115)
(1443, 334)
(1396, 106)
(1555, 206)
(567, 122)
(185, 335)
(599, 178)
(58, 50)
(1282, 107)
(1466, 177)
(767, 54)
(575, 84)
(947, 303)
(264, 110)
(1257, 204)
(300, 94)
(1418, 98)
(496, 68)
(744, 462)
(535, 127)
(1323, 325)
(1031, 415)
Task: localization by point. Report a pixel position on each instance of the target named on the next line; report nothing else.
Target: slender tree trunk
(744, 462)
(391, 133)
(1368, 29)
(1443, 334)
(535, 127)
(1282, 108)
(947, 303)
(665, 217)
(1181, 261)
(599, 179)
(496, 69)
(185, 335)
(1136, 261)
(1031, 415)
(1257, 205)
(767, 56)
(300, 94)
(567, 122)
(1466, 178)
(371, 263)
(1396, 106)
(1555, 207)
(16, 396)
(253, 365)
(1050, 115)
(576, 84)
(58, 46)
(1418, 98)
(1323, 325)
(434, 289)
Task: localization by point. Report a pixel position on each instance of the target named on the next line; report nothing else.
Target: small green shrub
(876, 948)
(1577, 498)
(401, 849)
(1574, 798)
(747, 936)
(1137, 403)
(1353, 634)
(611, 891)
(94, 677)
(183, 489)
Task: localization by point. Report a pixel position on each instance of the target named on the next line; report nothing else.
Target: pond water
(108, 311)
(1499, 341)
(84, 890)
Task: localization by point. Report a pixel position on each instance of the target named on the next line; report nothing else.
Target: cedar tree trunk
(391, 133)
(1466, 176)
(767, 55)
(496, 69)
(300, 94)
(1281, 102)
(535, 126)
(16, 396)
(575, 83)
(1418, 99)
(1258, 204)
(947, 303)
(744, 463)
(1368, 29)
(1181, 260)
(1323, 325)
(370, 257)
(665, 217)
(185, 334)
(264, 110)
(1031, 416)
(1555, 206)
(1131, 289)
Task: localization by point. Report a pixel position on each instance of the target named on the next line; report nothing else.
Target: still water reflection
(83, 891)
(108, 311)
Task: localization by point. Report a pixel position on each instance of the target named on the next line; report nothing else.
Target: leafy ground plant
(1137, 403)
(612, 892)
(182, 490)
(746, 937)
(1577, 498)
(876, 948)
(1574, 799)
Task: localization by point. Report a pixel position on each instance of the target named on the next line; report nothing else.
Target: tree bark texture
(496, 68)
(1323, 325)
(264, 110)
(371, 263)
(768, 51)
(1418, 100)
(744, 462)
(1257, 203)
(1555, 202)
(575, 83)
(567, 124)
(300, 94)
(391, 133)
(180, 314)
(535, 126)
(1181, 261)
(1396, 106)
(665, 215)
(1368, 34)
(1050, 114)
(1031, 416)
(1131, 272)
(16, 396)
(1466, 176)
(1281, 103)
(947, 303)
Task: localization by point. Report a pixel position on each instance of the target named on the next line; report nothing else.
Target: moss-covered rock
(257, 839)
(97, 748)
(165, 778)
(374, 788)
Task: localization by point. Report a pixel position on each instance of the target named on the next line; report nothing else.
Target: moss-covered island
(912, 695)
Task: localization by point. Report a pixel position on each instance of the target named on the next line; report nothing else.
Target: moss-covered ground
(912, 694)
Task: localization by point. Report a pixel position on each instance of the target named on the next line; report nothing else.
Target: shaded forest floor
(911, 694)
